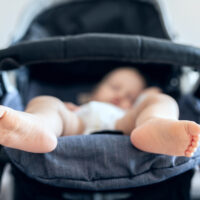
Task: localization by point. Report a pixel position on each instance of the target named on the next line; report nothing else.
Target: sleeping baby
(120, 101)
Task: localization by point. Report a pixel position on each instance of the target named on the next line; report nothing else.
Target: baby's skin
(151, 119)
(165, 136)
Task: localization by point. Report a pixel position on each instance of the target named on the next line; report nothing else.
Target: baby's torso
(99, 116)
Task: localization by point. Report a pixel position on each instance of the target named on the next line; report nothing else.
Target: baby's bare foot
(25, 131)
(166, 136)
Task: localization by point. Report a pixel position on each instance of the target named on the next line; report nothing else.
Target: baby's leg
(36, 130)
(158, 129)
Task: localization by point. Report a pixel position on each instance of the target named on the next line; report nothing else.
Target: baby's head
(120, 87)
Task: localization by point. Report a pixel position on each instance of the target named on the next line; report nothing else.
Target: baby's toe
(192, 128)
(191, 149)
(188, 153)
(194, 143)
(196, 137)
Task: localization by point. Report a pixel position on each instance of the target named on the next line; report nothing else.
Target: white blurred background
(184, 17)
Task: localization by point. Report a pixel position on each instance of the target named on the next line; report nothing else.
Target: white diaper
(99, 116)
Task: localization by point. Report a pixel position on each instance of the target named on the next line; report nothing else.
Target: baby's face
(121, 88)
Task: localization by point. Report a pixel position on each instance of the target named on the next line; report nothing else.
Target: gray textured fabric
(13, 100)
(99, 162)
(104, 162)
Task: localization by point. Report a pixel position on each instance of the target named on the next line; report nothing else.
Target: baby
(147, 115)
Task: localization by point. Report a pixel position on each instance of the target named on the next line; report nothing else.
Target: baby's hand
(71, 106)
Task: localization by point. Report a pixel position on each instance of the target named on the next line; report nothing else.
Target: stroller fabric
(104, 162)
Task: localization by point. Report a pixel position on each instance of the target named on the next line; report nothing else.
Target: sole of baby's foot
(166, 136)
(25, 131)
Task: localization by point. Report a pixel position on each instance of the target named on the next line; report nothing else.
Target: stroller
(65, 48)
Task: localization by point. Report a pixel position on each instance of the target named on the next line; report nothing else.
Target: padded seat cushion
(104, 162)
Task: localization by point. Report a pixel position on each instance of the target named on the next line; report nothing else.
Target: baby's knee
(45, 100)
(164, 98)
(159, 98)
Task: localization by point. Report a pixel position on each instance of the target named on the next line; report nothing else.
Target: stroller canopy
(66, 17)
